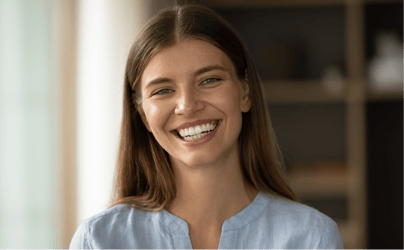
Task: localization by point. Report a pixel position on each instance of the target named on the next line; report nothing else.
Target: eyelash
(213, 78)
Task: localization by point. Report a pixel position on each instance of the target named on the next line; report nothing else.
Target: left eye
(209, 80)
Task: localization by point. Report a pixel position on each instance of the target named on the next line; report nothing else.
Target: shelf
(382, 1)
(307, 185)
(299, 91)
(373, 95)
(314, 92)
(312, 186)
(319, 179)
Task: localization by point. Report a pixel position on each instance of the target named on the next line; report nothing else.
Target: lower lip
(202, 140)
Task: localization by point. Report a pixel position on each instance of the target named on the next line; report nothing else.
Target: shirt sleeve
(331, 238)
(80, 238)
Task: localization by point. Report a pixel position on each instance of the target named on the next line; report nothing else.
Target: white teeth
(204, 128)
(194, 132)
(189, 138)
(210, 126)
(198, 129)
(191, 131)
(184, 132)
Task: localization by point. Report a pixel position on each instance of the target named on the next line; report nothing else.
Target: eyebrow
(198, 72)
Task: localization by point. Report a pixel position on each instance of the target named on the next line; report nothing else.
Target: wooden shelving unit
(348, 181)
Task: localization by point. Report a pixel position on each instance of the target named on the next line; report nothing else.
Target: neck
(208, 195)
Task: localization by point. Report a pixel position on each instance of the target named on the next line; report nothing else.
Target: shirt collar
(177, 225)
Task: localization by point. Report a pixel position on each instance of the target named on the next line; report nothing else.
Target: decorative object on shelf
(332, 80)
(385, 70)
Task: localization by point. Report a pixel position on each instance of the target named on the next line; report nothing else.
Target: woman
(199, 166)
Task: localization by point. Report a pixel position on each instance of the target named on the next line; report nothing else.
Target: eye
(209, 80)
(161, 91)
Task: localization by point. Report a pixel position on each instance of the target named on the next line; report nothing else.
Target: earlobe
(246, 104)
(245, 100)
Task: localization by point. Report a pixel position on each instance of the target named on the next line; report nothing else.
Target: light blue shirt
(268, 222)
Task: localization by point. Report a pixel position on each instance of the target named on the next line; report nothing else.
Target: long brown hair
(143, 175)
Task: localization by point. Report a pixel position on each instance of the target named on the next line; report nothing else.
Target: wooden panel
(355, 53)
(356, 146)
(349, 231)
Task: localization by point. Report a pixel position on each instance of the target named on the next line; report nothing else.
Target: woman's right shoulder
(119, 219)
(118, 212)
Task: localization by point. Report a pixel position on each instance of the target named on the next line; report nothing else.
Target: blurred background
(332, 72)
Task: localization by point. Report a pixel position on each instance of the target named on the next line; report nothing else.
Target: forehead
(185, 57)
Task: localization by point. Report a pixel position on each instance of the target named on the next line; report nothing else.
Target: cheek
(153, 110)
(228, 99)
(157, 116)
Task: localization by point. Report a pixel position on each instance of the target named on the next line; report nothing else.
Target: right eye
(207, 81)
(160, 91)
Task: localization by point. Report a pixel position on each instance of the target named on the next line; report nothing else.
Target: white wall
(106, 31)
(28, 122)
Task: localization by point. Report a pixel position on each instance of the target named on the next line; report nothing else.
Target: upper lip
(195, 123)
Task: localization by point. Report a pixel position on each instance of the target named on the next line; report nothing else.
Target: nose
(189, 102)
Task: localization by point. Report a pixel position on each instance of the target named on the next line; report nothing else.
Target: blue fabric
(268, 222)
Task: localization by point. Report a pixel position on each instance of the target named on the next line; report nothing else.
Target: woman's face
(188, 82)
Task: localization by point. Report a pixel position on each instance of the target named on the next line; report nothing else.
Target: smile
(199, 134)
(198, 131)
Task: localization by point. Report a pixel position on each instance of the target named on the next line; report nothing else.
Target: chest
(205, 240)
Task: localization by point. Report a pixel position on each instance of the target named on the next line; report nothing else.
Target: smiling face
(190, 81)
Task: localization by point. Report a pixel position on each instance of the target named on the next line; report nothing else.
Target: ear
(245, 101)
(144, 119)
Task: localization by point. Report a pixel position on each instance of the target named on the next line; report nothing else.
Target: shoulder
(116, 222)
(295, 213)
(302, 221)
(119, 215)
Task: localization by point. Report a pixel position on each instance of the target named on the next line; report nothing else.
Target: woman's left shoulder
(295, 211)
(302, 219)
